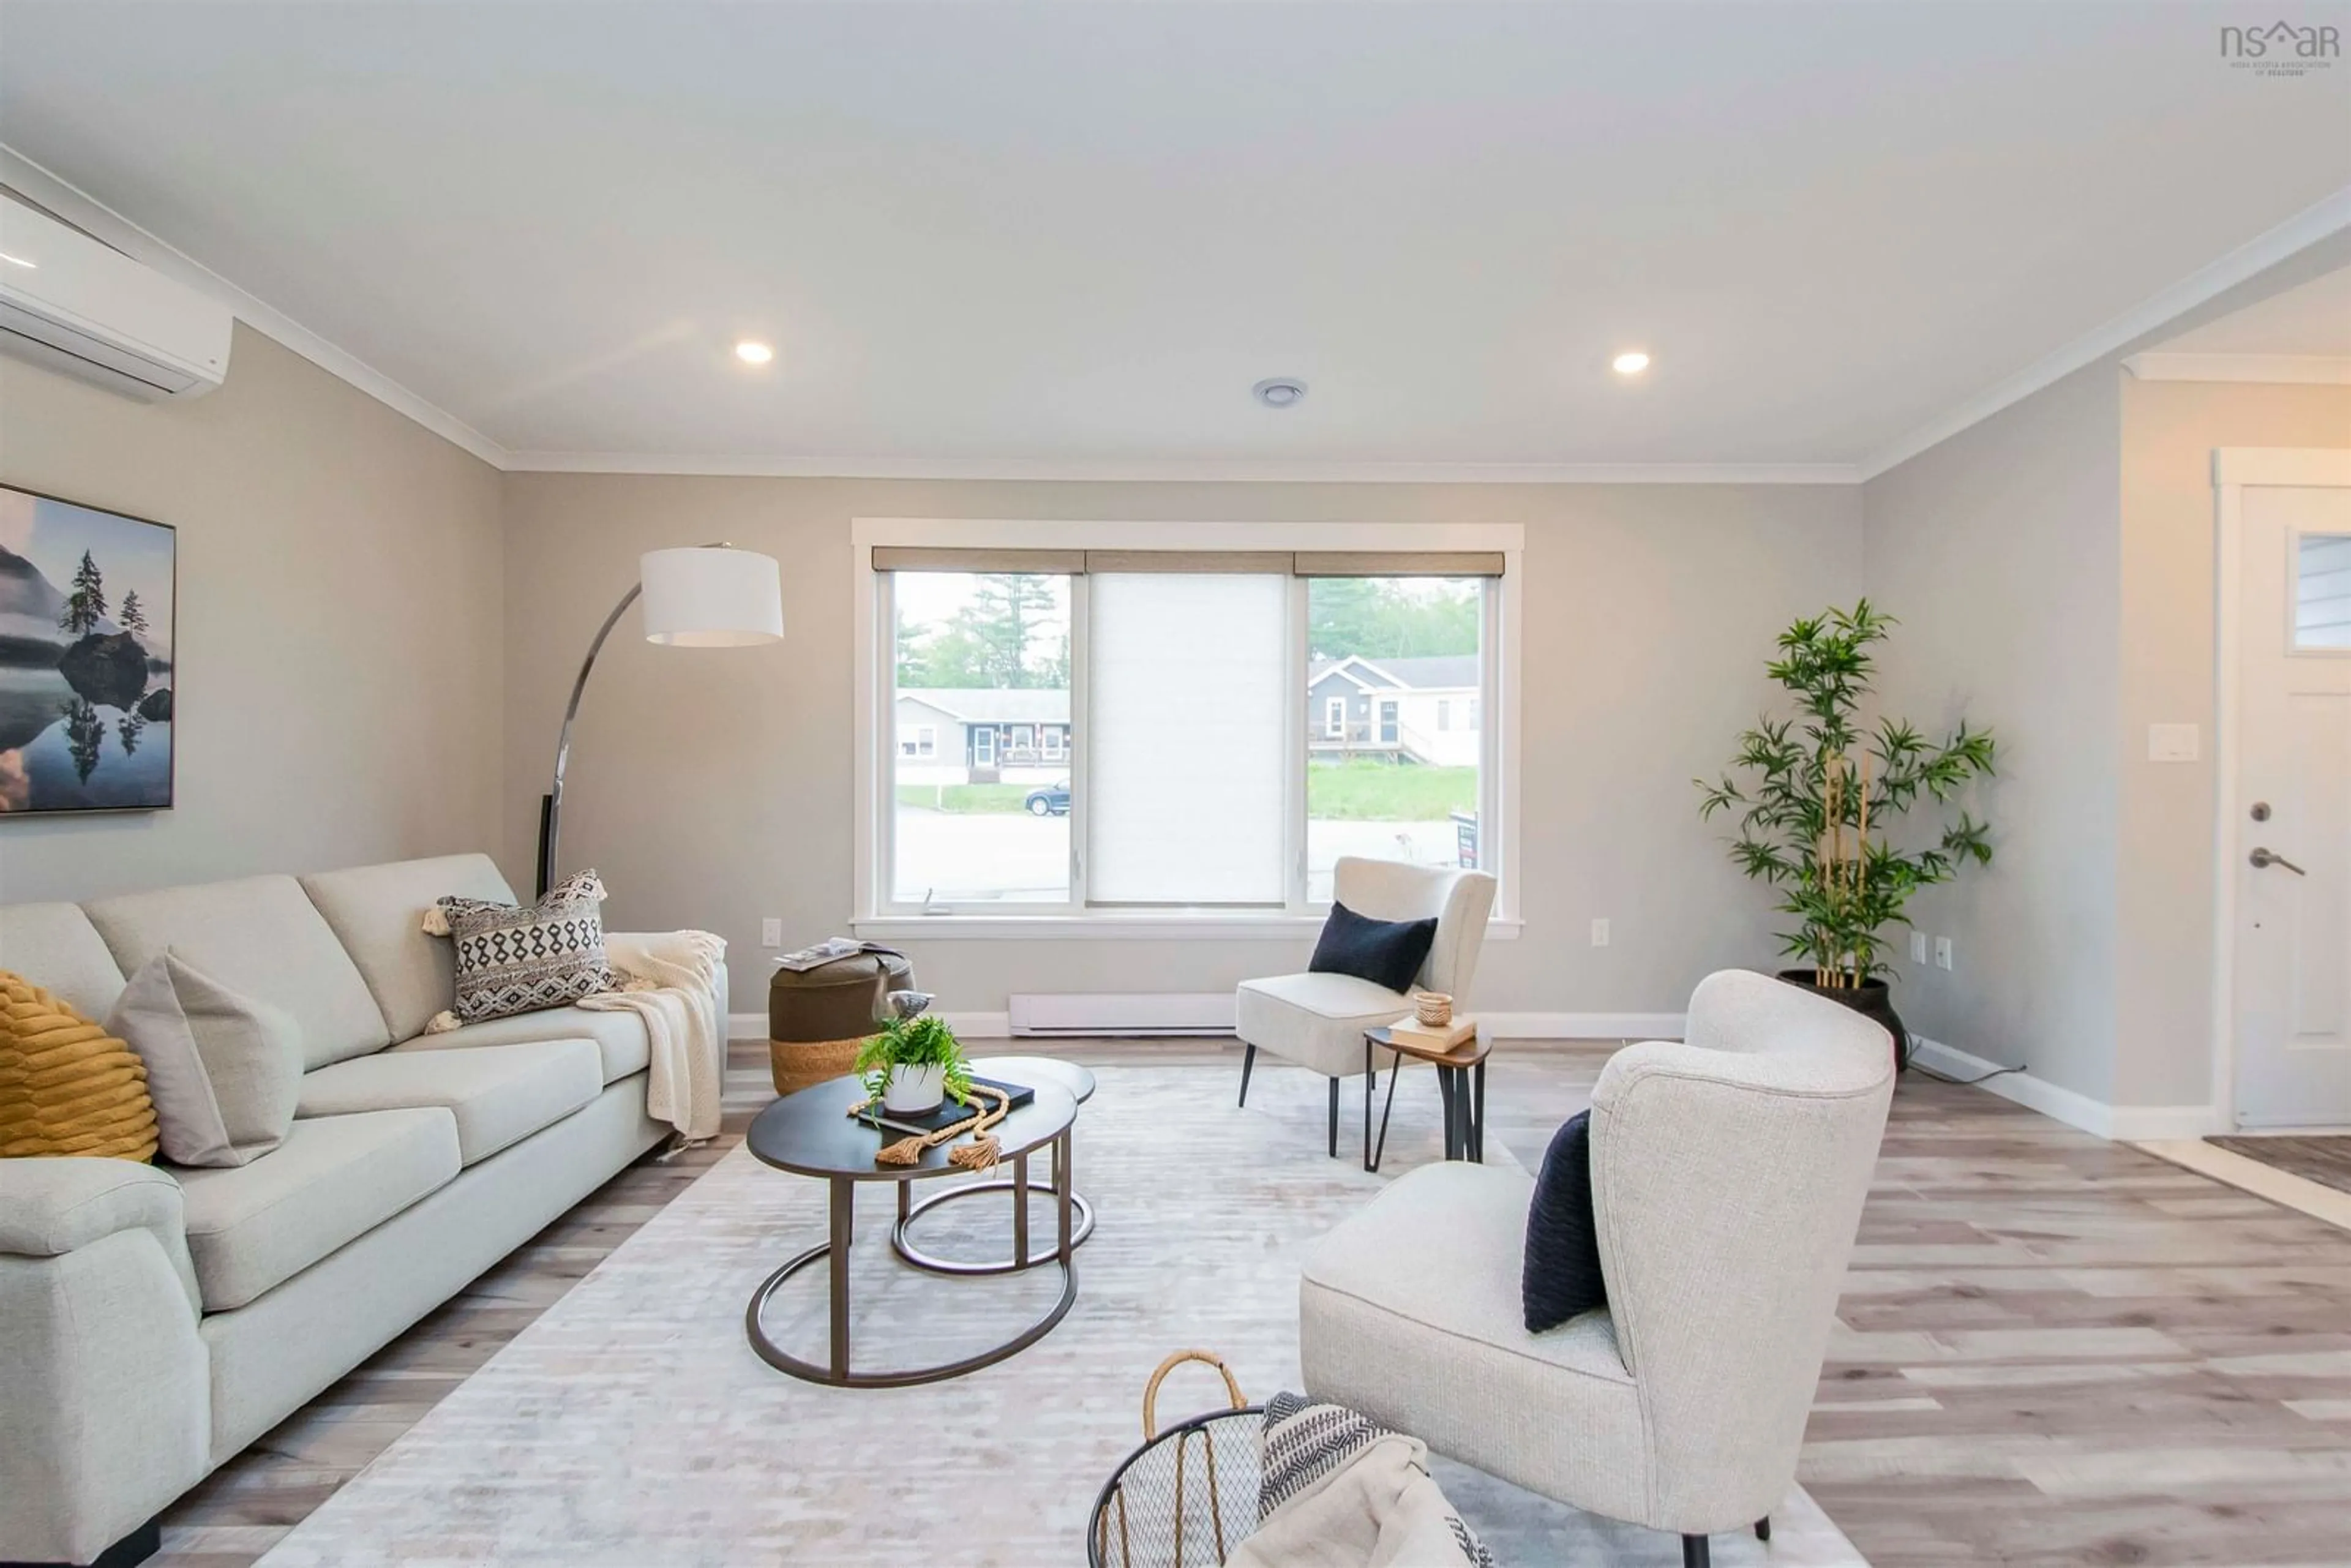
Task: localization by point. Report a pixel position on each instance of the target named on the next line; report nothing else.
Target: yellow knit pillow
(67, 1087)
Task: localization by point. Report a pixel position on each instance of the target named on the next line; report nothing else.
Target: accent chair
(1318, 1020)
(1728, 1176)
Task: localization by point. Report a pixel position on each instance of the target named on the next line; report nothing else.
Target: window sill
(1138, 928)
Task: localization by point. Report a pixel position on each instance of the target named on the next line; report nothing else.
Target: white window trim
(922, 737)
(1335, 719)
(1499, 812)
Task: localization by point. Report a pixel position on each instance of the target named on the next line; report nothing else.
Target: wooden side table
(1460, 1079)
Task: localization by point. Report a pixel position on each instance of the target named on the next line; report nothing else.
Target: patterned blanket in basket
(1339, 1490)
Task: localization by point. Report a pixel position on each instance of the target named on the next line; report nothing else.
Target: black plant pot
(1873, 1000)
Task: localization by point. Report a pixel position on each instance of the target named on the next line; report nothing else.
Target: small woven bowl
(1434, 1008)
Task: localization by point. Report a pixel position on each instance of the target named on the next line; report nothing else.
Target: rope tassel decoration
(982, 1153)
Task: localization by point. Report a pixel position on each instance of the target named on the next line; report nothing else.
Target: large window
(1116, 733)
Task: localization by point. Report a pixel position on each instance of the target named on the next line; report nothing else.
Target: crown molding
(102, 222)
(2321, 221)
(1195, 470)
(2289, 370)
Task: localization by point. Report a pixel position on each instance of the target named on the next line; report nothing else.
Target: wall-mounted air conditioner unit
(1142, 1014)
(74, 305)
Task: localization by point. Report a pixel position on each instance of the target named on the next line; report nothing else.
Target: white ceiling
(2313, 319)
(1075, 235)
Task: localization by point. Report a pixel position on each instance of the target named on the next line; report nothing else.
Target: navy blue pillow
(1561, 1274)
(1385, 952)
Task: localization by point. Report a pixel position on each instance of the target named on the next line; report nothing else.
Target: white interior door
(2292, 861)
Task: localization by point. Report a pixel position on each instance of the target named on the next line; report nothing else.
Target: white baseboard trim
(2122, 1123)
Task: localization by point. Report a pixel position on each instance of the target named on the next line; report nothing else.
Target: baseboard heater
(1122, 1013)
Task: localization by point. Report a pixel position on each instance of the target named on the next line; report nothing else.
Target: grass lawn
(1367, 791)
(964, 798)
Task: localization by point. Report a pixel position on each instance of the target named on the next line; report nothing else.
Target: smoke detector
(1279, 392)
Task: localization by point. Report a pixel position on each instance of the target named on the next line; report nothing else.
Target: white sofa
(155, 1321)
(1728, 1171)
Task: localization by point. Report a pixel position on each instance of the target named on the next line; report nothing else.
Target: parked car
(1053, 800)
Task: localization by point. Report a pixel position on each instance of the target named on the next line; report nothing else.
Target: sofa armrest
(107, 1415)
(51, 1207)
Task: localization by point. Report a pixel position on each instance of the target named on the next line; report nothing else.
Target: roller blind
(1186, 774)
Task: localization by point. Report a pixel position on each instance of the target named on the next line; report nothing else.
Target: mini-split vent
(1122, 1014)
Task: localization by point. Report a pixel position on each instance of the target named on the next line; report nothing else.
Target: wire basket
(1189, 1495)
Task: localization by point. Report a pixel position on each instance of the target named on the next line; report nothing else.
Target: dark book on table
(948, 1114)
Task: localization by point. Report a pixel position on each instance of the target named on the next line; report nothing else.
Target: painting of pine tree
(87, 675)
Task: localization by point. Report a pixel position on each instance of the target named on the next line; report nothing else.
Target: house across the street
(982, 735)
(1399, 710)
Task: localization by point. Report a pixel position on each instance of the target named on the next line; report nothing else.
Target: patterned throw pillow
(521, 961)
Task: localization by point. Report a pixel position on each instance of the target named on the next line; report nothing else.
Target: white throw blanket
(1341, 1491)
(670, 979)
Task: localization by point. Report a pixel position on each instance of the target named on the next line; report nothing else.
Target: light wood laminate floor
(2050, 1349)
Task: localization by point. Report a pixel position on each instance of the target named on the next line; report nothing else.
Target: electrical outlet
(1600, 933)
(1942, 952)
(771, 933)
(1918, 947)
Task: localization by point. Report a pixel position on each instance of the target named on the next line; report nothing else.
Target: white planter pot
(914, 1090)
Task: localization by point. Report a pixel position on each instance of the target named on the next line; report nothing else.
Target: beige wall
(2164, 885)
(713, 787)
(338, 689)
(1998, 551)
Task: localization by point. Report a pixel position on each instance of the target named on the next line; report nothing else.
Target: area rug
(2326, 1160)
(632, 1426)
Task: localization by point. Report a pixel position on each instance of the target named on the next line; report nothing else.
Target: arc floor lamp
(704, 596)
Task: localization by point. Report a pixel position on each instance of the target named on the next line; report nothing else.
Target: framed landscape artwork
(87, 602)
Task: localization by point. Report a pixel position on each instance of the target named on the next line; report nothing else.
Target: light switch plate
(771, 933)
(1600, 933)
(1942, 952)
(2174, 742)
(1918, 947)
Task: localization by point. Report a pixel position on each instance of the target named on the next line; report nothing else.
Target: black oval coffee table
(812, 1134)
(1080, 1081)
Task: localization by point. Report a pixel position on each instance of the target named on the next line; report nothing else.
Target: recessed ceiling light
(752, 353)
(1632, 364)
(18, 261)
(1279, 392)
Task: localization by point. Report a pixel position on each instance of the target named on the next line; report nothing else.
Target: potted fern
(1815, 796)
(914, 1064)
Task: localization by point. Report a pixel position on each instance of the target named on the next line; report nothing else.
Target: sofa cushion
(260, 935)
(1409, 1312)
(1316, 1021)
(56, 948)
(332, 1180)
(619, 1036)
(377, 911)
(500, 1095)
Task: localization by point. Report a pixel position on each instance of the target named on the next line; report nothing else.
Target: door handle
(2264, 859)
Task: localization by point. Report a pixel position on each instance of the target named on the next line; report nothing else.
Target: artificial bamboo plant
(1815, 795)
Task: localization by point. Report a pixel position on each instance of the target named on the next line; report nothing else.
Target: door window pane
(1386, 778)
(982, 660)
(1187, 786)
(2322, 596)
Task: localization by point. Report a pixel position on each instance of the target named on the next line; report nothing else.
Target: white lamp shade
(711, 596)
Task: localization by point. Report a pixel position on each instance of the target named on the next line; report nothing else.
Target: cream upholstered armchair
(1728, 1176)
(1318, 1020)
